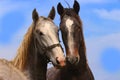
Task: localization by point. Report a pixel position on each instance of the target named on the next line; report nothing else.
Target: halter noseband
(45, 49)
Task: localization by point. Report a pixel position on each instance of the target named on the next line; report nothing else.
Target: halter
(45, 49)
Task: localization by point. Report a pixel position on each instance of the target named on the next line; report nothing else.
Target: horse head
(72, 33)
(46, 36)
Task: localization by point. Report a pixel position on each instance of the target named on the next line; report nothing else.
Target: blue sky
(101, 25)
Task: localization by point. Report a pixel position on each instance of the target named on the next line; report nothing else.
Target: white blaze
(50, 37)
(69, 23)
(49, 30)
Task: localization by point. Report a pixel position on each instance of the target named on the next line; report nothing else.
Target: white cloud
(4, 7)
(8, 6)
(94, 48)
(8, 51)
(105, 14)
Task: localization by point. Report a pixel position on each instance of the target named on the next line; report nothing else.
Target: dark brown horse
(71, 27)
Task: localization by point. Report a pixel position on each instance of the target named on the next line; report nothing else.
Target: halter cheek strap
(44, 49)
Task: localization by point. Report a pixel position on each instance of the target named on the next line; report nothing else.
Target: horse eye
(40, 33)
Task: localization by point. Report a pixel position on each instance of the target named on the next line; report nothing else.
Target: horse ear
(76, 6)
(52, 13)
(60, 9)
(35, 15)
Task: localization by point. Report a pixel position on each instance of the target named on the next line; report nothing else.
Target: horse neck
(82, 52)
(75, 70)
(36, 67)
(28, 60)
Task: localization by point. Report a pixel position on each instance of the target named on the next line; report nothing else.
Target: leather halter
(44, 49)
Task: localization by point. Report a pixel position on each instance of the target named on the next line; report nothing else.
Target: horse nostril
(77, 59)
(72, 60)
(60, 61)
(57, 60)
(67, 58)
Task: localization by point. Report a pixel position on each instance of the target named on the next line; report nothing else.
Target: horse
(10, 72)
(76, 67)
(40, 45)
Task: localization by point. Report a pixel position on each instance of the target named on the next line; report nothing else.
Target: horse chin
(58, 62)
(58, 66)
(72, 60)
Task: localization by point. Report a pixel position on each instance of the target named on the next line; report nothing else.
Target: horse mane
(81, 29)
(20, 60)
